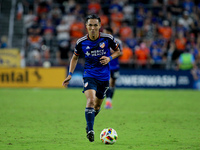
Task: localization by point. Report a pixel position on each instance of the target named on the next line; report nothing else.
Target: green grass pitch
(54, 119)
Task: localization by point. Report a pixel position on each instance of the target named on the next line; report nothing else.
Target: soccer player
(114, 72)
(96, 47)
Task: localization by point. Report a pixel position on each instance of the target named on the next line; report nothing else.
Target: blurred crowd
(161, 34)
(3, 41)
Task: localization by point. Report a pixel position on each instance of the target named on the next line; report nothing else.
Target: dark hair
(109, 29)
(93, 16)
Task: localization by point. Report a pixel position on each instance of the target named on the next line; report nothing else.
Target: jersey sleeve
(77, 49)
(113, 44)
(118, 41)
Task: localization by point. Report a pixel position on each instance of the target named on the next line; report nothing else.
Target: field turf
(54, 119)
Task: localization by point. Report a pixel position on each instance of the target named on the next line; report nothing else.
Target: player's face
(93, 26)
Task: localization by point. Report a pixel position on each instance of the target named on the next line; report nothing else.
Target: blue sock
(97, 111)
(108, 94)
(89, 116)
(111, 92)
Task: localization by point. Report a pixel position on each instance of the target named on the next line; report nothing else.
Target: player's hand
(104, 60)
(66, 81)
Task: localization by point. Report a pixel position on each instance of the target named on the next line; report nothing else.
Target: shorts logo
(102, 45)
(86, 84)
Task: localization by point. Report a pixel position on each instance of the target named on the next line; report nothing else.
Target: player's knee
(90, 102)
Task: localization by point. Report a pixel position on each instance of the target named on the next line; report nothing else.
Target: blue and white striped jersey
(93, 51)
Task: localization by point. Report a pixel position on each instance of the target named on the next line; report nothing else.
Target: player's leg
(90, 87)
(90, 113)
(97, 108)
(108, 103)
(112, 87)
(111, 90)
(97, 105)
(109, 94)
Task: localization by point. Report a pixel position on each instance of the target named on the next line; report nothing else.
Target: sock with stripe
(89, 116)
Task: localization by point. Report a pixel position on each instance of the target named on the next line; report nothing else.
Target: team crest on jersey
(86, 84)
(102, 45)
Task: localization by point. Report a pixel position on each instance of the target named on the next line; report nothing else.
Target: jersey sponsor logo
(100, 52)
(87, 47)
(102, 45)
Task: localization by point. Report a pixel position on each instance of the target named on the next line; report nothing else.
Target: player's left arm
(104, 60)
(116, 54)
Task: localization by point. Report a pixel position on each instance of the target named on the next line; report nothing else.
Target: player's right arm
(72, 67)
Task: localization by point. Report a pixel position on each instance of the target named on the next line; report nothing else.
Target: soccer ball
(108, 136)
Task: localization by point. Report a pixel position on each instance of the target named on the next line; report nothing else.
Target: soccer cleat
(90, 136)
(108, 105)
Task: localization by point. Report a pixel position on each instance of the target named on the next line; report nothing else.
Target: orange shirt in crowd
(35, 39)
(77, 30)
(94, 7)
(125, 32)
(142, 55)
(180, 44)
(104, 20)
(117, 18)
(127, 55)
(41, 10)
(166, 32)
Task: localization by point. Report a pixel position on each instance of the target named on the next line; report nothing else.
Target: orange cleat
(108, 105)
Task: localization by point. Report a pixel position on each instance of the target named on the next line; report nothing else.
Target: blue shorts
(114, 74)
(99, 86)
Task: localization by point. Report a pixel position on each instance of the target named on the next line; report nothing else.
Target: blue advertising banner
(155, 79)
(145, 79)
